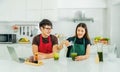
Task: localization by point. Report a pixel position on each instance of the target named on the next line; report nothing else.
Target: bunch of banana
(24, 40)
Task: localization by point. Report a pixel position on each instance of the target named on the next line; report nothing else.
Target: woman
(81, 43)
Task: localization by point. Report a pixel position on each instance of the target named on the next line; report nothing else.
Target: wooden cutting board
(34, 64)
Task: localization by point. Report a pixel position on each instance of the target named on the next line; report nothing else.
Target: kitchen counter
(63, 65)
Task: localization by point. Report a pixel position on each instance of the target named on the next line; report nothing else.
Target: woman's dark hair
(45, 22)
(83, 25)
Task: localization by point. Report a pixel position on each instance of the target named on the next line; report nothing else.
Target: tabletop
(62, 65)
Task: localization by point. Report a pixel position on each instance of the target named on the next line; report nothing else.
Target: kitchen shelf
(26, 25)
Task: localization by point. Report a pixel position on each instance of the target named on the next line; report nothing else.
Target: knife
(20, 30)
(27, 31)
(23, 30)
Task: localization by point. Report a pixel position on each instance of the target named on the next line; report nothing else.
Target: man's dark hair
(45, 22)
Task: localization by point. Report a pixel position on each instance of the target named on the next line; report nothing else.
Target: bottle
(36, 58)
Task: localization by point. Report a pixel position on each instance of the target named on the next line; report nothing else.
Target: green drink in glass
(56, 56)
(73, 55)
(100, 55)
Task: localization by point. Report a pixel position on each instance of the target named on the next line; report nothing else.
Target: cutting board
(34, 64)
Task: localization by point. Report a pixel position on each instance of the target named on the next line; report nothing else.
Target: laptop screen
(12, 53)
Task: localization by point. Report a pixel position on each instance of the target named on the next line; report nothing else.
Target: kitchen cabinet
(115, 2)
(50, 14)
(39, 9)
(33, 10)
(19, 10)
(34, 4)
(22, 50)
(27, 10)
(33, 15)
(49, 9)
(41, 4)
(37, 15)
(49, 4)
(12, 10)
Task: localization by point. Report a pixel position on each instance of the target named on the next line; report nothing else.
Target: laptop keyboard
(21, 59)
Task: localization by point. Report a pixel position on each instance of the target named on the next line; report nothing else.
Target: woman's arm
(84, 56)
(67, 43)
(60, 46)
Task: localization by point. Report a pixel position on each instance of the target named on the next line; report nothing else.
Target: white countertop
(63, 65)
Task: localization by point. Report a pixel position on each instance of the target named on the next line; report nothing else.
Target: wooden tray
(34, 64)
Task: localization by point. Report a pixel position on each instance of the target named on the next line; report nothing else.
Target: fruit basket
(104, 40)
(99, 39)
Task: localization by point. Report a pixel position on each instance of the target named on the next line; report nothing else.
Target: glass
(112, 52)
(56, 56)
(47, 28)
(73, 55)
(100, 55)
(100, 51)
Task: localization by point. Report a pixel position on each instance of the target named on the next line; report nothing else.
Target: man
(45, 44)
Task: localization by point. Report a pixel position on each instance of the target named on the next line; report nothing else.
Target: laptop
(14, 56)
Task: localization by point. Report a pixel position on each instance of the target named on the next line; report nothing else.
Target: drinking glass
(112, 52)
(73, 55)
(100, 51)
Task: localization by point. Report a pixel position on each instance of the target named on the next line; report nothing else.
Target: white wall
(6, 28)
(115, 26)
(11, 10)
(66, 26)
(81, 3)
(115, 2)
(114, 23)
(67, 8)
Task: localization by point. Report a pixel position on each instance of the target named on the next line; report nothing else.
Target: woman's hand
(67, 43)
(84, 56)
(78, 58)
(60, 46)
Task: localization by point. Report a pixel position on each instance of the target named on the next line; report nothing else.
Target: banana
(23, 40)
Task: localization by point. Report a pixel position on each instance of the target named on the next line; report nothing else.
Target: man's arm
(44, 55)
(34, 49)
(50, 55)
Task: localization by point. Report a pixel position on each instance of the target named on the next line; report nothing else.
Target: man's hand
(41, 56)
